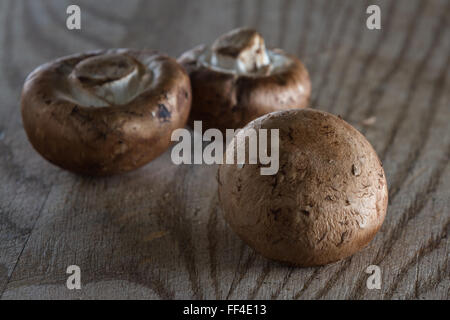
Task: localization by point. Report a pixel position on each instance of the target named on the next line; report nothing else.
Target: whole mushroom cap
(237, 79)
(327, 200)
(105, 112)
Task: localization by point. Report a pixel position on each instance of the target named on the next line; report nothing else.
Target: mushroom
(237, 80)
(327, 200)
(105, 112)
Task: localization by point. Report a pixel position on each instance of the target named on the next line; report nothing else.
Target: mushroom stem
(242, 50)
(108, 80)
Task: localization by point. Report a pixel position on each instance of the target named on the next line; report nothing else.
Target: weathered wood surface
(158, 232)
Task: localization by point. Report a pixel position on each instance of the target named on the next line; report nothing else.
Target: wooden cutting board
(158, 232)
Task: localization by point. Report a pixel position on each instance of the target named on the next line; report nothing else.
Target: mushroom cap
(237, 80)
(326, 202)
(105, 112)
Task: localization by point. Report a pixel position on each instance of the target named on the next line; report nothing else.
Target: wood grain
(158, 233)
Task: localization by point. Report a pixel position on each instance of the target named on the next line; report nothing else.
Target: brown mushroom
(327, 200)
(237, 80)
(105, 112)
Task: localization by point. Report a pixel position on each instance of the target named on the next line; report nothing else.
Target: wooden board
(158, 232)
